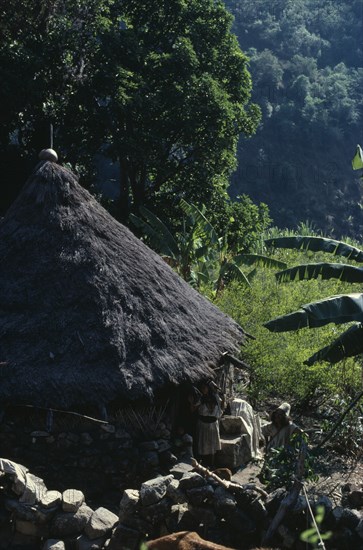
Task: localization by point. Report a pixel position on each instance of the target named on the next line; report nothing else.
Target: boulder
(235, 451)
(153, 490)
(174, 492)
(232, 425)
(191, 480)
(129, 502)
(200, 495)
(100, 523)
(72, 500)
(224, 503)
(34, 489)
(51, 499)
(180, 469)
(66, 524)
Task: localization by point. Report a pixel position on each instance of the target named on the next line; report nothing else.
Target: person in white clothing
(278, 432)
(209, 409)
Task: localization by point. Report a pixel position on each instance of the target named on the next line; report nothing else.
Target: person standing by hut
(209, 410)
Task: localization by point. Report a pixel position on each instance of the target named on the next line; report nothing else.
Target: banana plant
(339, 309)
(179, 252)
(198, 254)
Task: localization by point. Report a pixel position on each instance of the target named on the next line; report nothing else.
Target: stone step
(235, 451)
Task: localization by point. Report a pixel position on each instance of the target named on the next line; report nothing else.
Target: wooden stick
(229, 485)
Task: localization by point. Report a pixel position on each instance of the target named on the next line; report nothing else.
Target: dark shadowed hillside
(306, 66)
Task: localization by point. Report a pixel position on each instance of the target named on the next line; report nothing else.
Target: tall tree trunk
(137, 181)
(123, 209)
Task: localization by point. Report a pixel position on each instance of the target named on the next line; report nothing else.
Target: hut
(88, 313)
(90, 317)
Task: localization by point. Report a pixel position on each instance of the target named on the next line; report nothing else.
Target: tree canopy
(306, 65)
(160, 87)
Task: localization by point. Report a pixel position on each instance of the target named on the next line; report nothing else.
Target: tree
(345, 308)
(160, 87)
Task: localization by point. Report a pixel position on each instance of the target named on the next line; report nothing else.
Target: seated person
(279, 431)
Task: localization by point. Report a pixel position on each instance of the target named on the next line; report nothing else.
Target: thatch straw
(88, 313)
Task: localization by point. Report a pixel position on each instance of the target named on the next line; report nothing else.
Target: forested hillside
(306, 67)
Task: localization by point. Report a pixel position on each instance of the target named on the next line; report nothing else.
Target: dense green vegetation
(306, 66)
(160, 87)
(278, 360)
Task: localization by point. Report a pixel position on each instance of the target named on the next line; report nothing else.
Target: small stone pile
(34, 518)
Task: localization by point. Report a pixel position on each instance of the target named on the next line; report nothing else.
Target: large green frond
(317, 244)
(233, 272)
(344, 272)
(357, 162)
(335, 309)
(203, 228)
(258, 260)
(349, 344)
(158, 233)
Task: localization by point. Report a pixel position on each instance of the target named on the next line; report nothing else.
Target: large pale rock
(232, 425)
(100, 523)
(51, 499)
(17, 471)
(54, 544)
(235, 451)
(72, 500)
(34, 489)
(67, 524)
(153, 490)
(129, 502)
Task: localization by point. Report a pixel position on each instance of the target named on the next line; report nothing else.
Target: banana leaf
(258, 259)
(357, 161)
(344, 272)
(203, 228)
(157, 232)
(349, 344)
(317, 244)
(335, 309)
(233, 272)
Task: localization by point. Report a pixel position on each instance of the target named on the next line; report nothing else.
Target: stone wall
(35, 518)
(100, 459)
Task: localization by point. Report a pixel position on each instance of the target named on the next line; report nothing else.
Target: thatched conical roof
(88, 313)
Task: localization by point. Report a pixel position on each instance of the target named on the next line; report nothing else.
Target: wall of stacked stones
(100, 459)
(35, 518)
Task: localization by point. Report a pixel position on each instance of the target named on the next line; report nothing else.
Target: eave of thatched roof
(88, 313)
